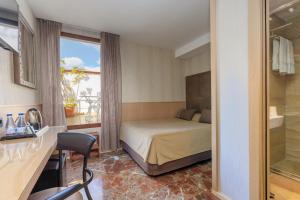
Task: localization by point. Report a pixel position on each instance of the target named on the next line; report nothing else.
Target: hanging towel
(286, 57)
(290, 59)
(283, 49)
(275, 57)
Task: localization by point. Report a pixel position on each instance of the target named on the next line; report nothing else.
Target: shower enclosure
(284, 87)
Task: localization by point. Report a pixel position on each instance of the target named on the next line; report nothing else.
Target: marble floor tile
(118, 177)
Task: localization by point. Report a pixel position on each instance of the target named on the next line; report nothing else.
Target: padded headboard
(198, 91)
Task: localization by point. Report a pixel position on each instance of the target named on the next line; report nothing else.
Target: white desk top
(22, 161)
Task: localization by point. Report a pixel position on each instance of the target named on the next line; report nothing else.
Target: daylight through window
(80, 71)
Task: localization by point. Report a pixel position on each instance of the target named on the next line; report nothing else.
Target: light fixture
(291, 10)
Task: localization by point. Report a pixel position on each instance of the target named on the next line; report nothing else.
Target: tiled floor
(288, 167)
(284, 188)
(117, 177)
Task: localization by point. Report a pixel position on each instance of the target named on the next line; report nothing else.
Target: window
(80, 70)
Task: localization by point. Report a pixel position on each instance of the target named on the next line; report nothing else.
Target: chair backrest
(79, 142)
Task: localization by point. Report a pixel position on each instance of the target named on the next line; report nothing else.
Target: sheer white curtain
(48, 64)
(111, 94)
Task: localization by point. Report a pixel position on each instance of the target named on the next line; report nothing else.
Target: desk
(22, 161)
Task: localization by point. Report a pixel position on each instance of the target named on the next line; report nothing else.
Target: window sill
(84, 126)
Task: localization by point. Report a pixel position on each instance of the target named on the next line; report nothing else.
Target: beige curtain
(111, 98)
(48, 62)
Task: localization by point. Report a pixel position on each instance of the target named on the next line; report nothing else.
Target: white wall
(80, 31)
(150, 74)
(232, 66)
(198, 63)
(27, 13)
(11, 93)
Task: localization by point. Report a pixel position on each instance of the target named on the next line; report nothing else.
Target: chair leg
(60, 157)
(87, 192)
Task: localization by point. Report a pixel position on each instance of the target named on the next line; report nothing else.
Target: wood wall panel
(277, 99)
(292, 112)
(256, 88)
(150, 110)
(15, 109)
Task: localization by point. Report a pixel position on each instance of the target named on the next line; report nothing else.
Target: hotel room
(144, 97)
(160, 99)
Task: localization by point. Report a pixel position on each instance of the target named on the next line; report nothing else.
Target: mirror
(17, 36)
(25, 73)
(9, 21)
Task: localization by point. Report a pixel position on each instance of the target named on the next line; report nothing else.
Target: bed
(161, 146)
(164, 145)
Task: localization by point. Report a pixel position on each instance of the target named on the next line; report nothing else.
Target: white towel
(275, 57)
(286, 57)
(290, 59)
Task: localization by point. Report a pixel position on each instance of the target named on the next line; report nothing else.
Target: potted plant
(70, 107)
(69, 95)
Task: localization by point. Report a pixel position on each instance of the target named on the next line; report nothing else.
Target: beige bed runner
(161, 141)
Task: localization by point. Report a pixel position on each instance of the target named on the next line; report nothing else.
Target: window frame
(84, 39)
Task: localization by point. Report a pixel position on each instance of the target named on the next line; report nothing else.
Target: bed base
(155, 170)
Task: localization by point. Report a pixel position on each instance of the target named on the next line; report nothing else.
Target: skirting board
(220, 195)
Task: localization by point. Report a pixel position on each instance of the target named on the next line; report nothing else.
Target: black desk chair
(82, 144)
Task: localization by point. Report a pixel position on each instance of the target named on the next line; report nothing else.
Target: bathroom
(284, 91)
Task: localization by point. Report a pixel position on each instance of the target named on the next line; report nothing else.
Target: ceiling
(273, 4)
(163, 23)
(284, 22)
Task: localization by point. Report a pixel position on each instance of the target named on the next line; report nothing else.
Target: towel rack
(281, 27)
(274, 37)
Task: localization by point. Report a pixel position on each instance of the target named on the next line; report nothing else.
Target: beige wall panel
(150, 110)
(277, 98)
(292, 118)
(15, 109)
(277, 142)
(150, 74)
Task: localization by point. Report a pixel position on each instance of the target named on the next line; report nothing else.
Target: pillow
(196, 117)
(188, 114)
(205, 116)
(178, 114)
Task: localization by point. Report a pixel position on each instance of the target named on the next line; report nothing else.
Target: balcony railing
(88, 104)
